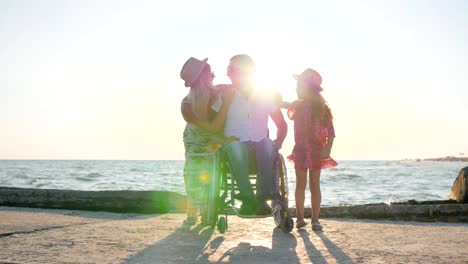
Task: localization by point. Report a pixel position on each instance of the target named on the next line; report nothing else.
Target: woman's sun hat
(192, 69)
(311, 77)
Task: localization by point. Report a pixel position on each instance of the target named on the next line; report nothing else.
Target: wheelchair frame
(221, 198)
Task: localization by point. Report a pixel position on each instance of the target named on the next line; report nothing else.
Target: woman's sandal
(300, 224)
(316, 225)
(191, 220)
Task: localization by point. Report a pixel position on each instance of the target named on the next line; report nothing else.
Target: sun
(277, 54)
(274, 76)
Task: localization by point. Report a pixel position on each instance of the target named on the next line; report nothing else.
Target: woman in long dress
(203, 132)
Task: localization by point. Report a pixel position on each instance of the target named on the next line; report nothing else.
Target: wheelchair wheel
(222, 225)
(282, 218)
(286, 224)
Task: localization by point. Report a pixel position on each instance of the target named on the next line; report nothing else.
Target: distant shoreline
(447, 158)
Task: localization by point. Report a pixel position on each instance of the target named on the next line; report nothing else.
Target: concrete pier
(151, 202)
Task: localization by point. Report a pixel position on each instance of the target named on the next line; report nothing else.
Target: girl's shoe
(316, 225)
(300, 224)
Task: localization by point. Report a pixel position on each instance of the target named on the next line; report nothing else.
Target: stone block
(459, 190)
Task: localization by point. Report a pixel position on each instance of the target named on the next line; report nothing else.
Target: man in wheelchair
(247, 120)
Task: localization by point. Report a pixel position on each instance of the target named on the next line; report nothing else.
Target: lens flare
(204, 178)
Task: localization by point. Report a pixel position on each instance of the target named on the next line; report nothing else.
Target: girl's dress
(310, 136)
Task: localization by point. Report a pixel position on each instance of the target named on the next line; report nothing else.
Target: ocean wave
(40, 185)
(348, 176)
(21, 175)
(352, 182)
(85, 179)
(94, 175)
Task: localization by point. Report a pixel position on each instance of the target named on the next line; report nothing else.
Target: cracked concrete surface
(65, 236)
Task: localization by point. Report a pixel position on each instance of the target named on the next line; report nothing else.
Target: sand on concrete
(66, 236)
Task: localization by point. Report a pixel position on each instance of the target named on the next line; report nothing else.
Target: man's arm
(282, 127)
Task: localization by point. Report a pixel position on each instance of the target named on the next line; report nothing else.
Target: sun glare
(276, 78)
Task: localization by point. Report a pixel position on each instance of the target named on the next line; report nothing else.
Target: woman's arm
(190, 117)
(220, 117)
(217, 124)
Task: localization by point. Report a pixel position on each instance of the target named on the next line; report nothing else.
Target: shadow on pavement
(283, 250)
(334, 250)
(185, 245)
(197, 245)
(314, 254)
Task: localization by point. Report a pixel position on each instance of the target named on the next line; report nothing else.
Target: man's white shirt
(247, 118)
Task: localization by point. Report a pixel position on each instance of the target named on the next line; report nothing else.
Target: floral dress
(310, 136)
(198, 166)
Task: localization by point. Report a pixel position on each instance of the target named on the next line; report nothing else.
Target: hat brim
(298, 76)
(196, 76)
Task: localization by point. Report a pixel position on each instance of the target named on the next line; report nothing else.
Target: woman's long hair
(200, 94)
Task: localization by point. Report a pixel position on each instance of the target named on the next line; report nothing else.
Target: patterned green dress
(198, 166)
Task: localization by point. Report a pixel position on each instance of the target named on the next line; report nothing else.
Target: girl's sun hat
(192, 69)
(312, 78)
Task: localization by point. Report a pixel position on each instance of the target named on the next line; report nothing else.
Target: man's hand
(228, 96)
(277, 144)
(230, 139)
(278, 118)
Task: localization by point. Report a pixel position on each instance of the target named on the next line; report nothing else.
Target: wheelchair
(222, 193)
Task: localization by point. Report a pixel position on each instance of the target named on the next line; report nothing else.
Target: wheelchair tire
(277, 218)
(222, 225)
(287, 224)
(283, 191)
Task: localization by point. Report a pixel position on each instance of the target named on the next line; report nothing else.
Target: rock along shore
(157, 202)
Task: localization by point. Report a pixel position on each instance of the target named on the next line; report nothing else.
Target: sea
(350, 183)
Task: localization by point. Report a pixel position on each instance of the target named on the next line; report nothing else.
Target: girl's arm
(285, 105)
(327, 148)
(291, 108)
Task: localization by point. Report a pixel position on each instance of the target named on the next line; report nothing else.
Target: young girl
(313, 135)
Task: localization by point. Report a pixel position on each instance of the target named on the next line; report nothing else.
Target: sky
(100, 79)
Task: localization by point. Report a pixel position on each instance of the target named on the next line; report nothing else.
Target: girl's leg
(316, 194)
(301, 182)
